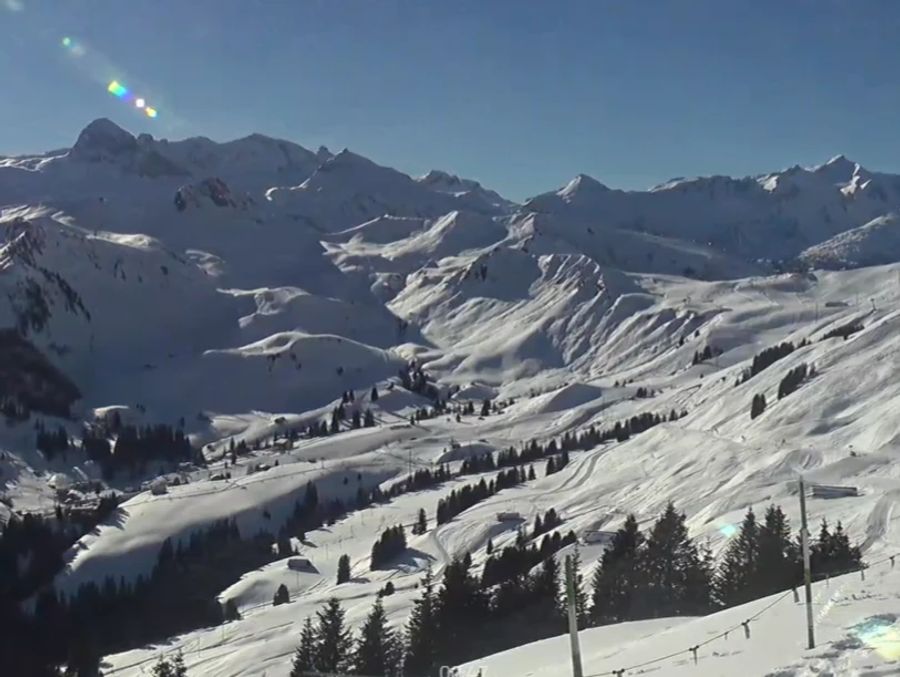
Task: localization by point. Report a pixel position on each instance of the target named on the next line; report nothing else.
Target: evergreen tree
(737, 579)
(282, 596)
(343, 572)
(845, 557)
(374, 396)
(698, 582)
(305, 657)
(421, 522)
(581, 599)
(831, 554)
(377, 651)
(671, 560)
(778, 564)
(173, 667)
(758, 405)
(422, 632)
(545, 587)
(619, 576)
(333, 641)
(461, 605)
(83, 659)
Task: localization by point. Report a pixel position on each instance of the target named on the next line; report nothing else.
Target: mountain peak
(838, 170)
(348, 157)
(840, 160)
(323, 154)
(582, 184)
(103, 139)
(442, 181)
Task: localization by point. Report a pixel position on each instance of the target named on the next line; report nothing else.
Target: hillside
(247, 319)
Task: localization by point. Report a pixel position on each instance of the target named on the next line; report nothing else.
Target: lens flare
(728, 530)
(116, 89)
(881, 634)
(98, 63)
(72, 46)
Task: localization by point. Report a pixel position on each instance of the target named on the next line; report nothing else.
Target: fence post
(807, 575)
(573, 617)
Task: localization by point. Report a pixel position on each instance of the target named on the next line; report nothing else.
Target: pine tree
(845, 557)
(422, 632)
(779, 557)
(832, 554)
(737, 579)
(374, 396)
(343, 572)
(670, 558)
(461, 604)
(617, 578)
(83, 659)
(333, 641)
(551, 467)
(282, 596)
(758, 405)
(545, 587)
(173, 667)
(377, 651)
(581, 599)
(305, 657)
(421, 522)
(698, 582)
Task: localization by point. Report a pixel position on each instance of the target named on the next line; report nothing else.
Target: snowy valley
(212, 331)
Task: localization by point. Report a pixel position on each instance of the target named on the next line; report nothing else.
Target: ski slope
(243, 287)
(856, 633)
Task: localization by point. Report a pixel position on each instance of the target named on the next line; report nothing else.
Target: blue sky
(520, 94)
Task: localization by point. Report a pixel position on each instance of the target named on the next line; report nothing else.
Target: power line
(745, 625)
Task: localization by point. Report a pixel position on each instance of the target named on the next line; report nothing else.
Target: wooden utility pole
(571, 574)
(807, 574)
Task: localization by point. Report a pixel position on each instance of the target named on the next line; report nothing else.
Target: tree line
(792, 380)
(136, 446)
(391, 543)
(462, 499)
(767, 358)
(844, 331)
(662, 572)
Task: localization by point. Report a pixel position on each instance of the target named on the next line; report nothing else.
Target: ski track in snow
(288, 277)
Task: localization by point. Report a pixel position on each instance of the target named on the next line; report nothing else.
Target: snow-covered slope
(773, 216)
(244, 287)
(714, 464)
(872, 244)
(857, 634)
(349, 189)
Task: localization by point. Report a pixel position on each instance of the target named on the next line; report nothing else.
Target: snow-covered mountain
(773, 216)
(243, 289)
